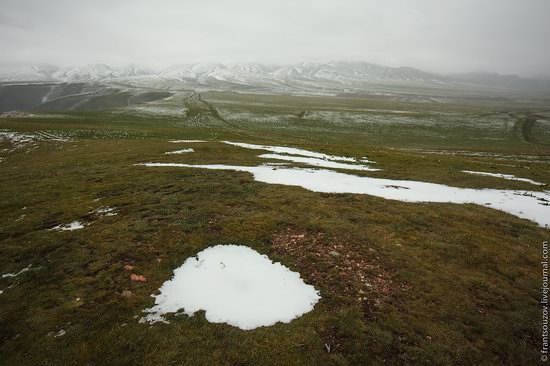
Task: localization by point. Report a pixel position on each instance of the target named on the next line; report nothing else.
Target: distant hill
(338, 76)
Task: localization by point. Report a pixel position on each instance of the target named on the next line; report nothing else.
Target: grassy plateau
(412, 283)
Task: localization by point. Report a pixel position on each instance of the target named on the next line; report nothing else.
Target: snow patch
(236, 285)
(534, 206)
(182, 151)
(21, 140)
(504, 176)
(291, 151)
(16, 138)
(106, 211)
(20, 217)
(11, 275)
(61, 333)
(75, 225)
(184, 141)
(318, 162)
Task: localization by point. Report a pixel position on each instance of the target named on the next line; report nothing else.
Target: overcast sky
(506, 36)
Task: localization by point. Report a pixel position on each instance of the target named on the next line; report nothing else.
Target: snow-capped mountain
(250, 68)
(333, 74)
(241, 73)
(332, 77)
(86, 73)
(27, 73)
(90, 73)
(95, 73)
(354, 73)
(193, 71)
(131, 70)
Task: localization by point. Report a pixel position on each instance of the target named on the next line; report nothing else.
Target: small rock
(126, 294)
(372, 250)
(128, 267)
(334, 253)
(138, 278)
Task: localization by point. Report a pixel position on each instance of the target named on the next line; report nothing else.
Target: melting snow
(236, 285)
(20, 218)
(75, 225)
(318, 162)
(534, 206)
(16, 138)
(184, 141)
(291, 151)
(107, 211)
(504, 176)
(57, 334)
(61, 333)
(182, 151)
(22, 140)
(27, 268)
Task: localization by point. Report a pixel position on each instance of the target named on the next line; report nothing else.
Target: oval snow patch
(236, 285)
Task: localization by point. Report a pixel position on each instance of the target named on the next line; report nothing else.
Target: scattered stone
(349, 268)
(138, 278)
(128, 267)
(126, 294)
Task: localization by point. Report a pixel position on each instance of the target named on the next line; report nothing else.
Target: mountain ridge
(305, 76)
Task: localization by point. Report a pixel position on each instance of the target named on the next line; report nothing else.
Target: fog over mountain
(330, 78)
(445, 37)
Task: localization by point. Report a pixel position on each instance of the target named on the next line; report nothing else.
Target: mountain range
(338, 76)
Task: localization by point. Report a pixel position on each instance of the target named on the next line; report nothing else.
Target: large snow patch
(236, 285)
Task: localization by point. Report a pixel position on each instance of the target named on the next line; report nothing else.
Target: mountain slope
(332, 77)
(27, 73)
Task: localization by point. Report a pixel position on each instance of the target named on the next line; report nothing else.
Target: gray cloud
(507, 36)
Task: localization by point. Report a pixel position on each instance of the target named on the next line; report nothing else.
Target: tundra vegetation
(87, 236)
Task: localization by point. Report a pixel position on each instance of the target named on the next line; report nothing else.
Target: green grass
(451, 284)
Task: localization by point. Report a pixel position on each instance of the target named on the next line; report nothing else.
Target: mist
(505, 36)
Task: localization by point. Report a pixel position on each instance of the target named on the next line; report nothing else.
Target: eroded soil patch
(341, 265)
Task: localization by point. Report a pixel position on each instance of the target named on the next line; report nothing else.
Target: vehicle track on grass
(201, 111)
(523, 128)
